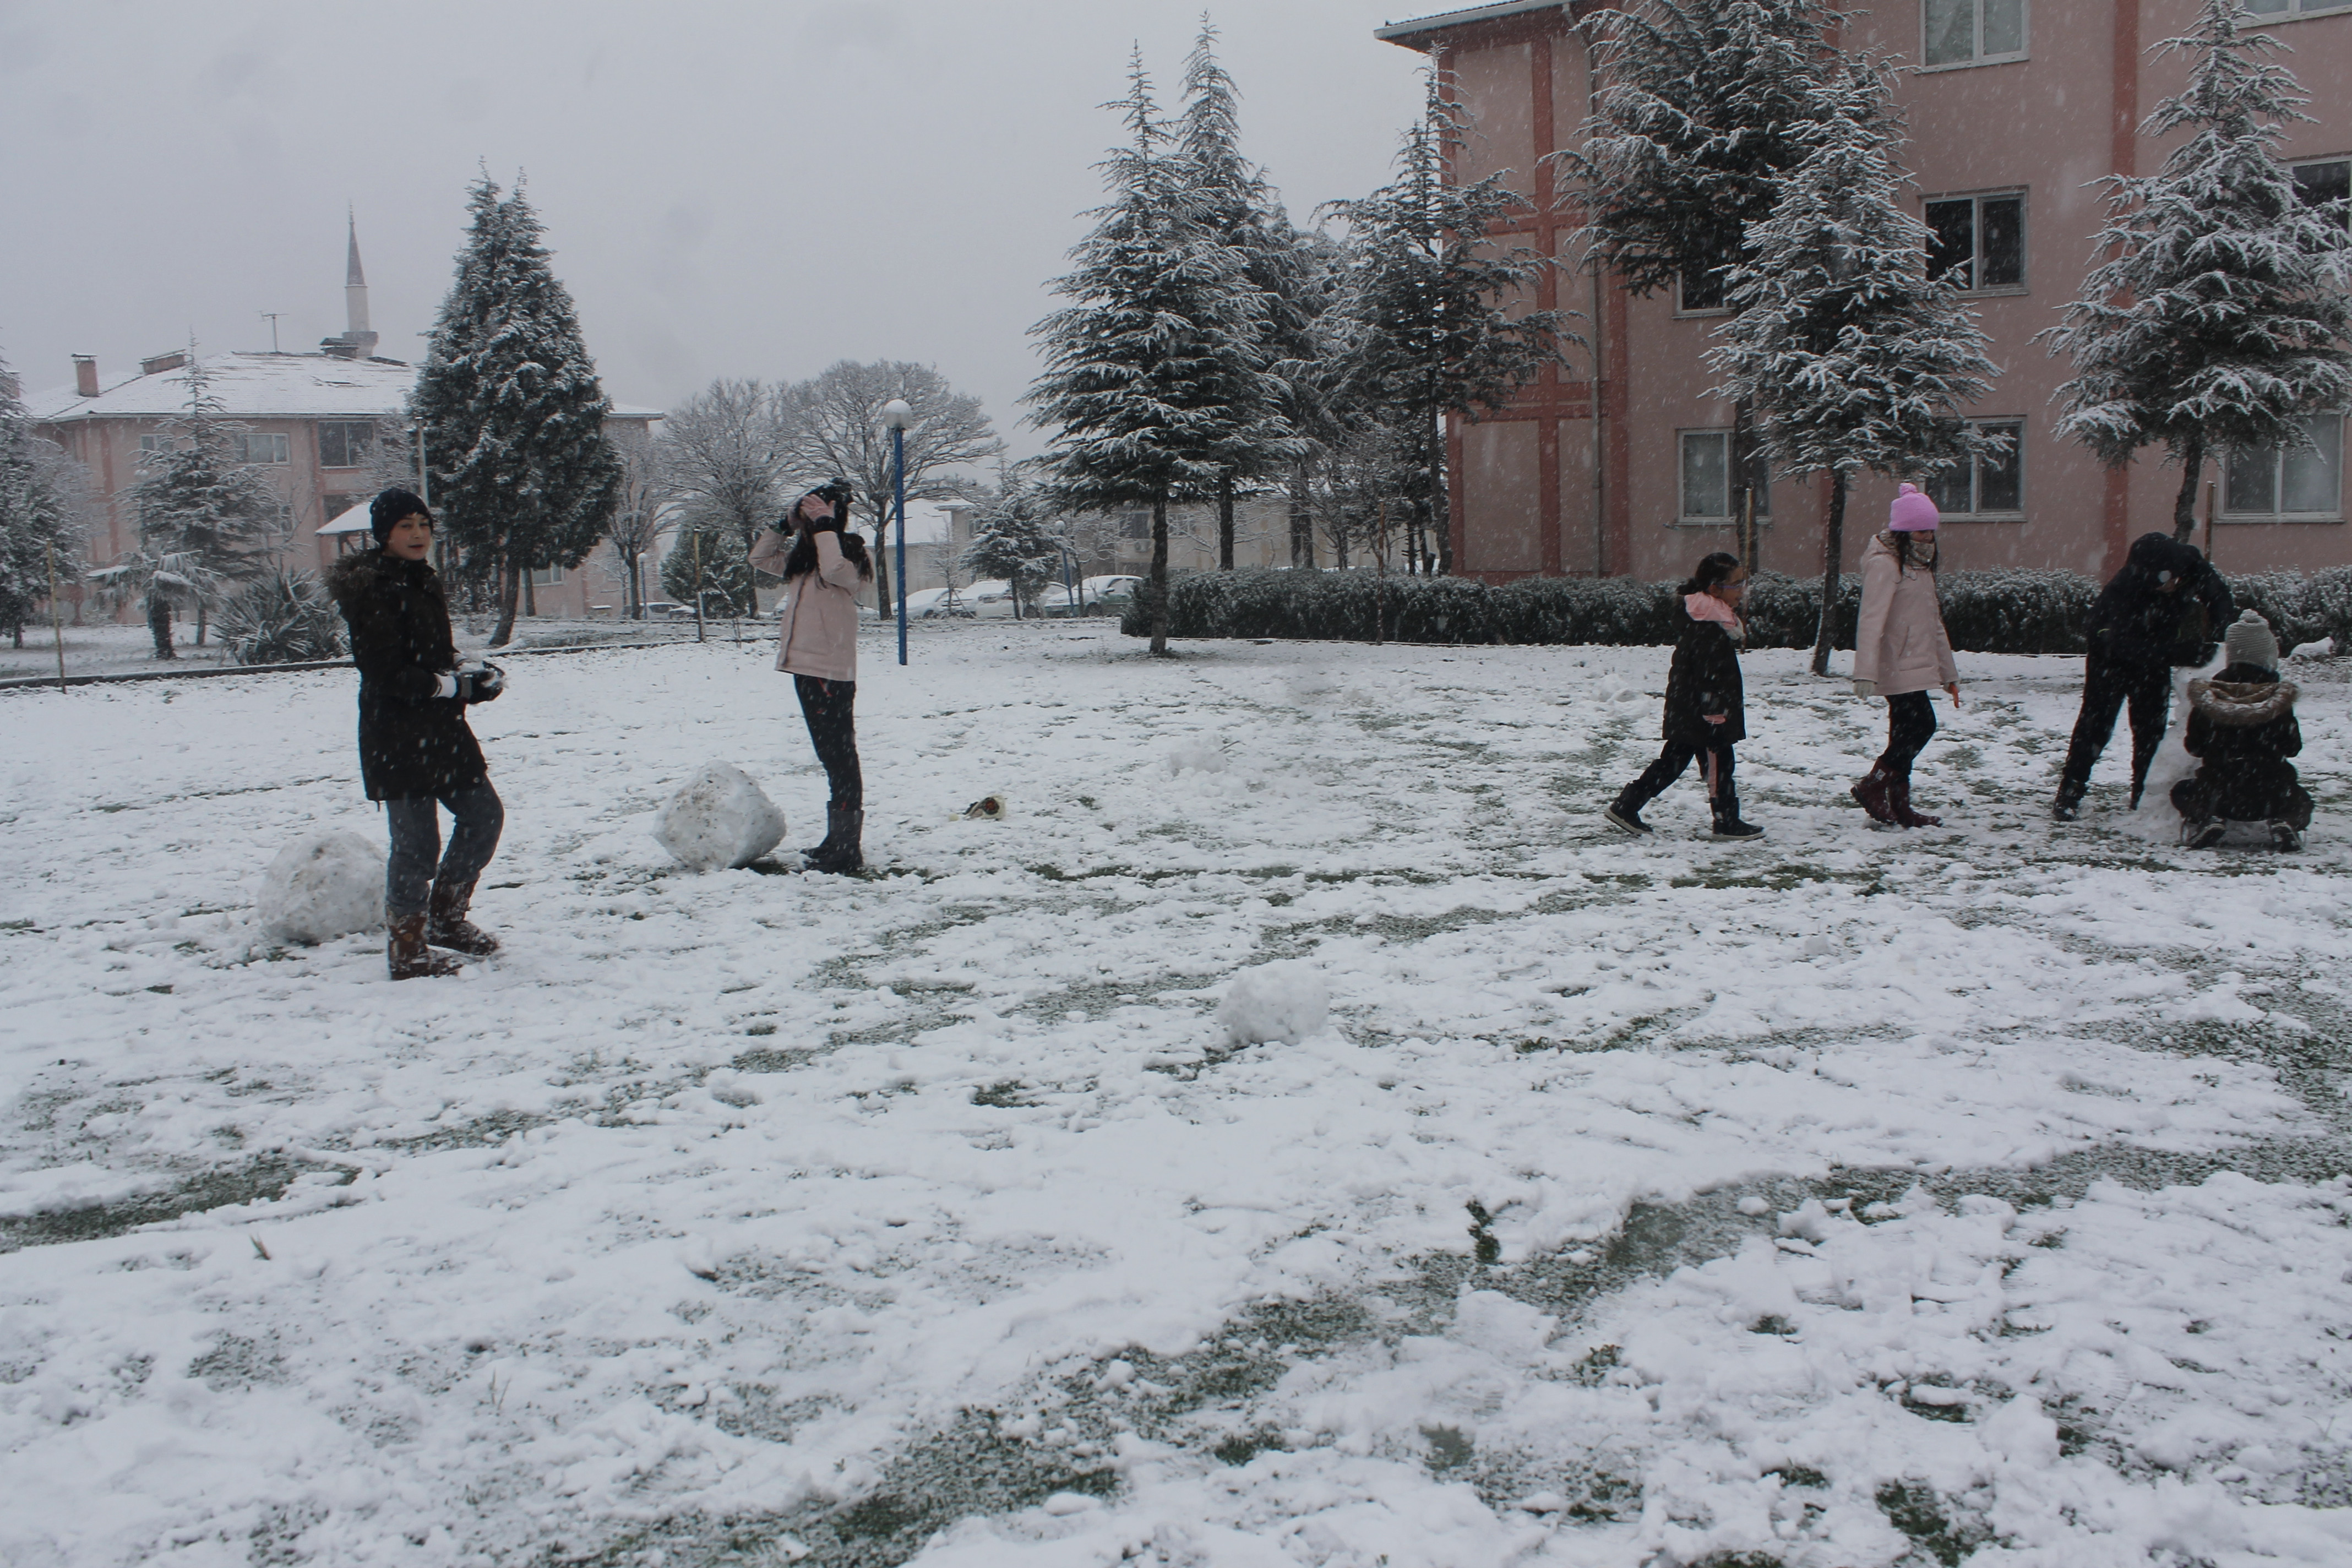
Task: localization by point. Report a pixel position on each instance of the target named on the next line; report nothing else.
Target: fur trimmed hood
(2242, 705)
(353, 575)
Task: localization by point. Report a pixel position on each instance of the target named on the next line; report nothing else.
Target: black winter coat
(1704, 678)
(411, 742)
(2242, 721)
(2135, 621)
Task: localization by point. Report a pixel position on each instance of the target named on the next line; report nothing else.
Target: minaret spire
(358, 340)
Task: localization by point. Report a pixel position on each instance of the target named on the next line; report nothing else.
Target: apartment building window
(1705, 287)
(1708, 495)
(1135, 525)
(2328, 182)
(343, 444)
(1972, 32)
(1985, 487)
(262, 449)
(154, 446)
(2280, 484)
(546, 576)
(2269, 8)
(1978, 241)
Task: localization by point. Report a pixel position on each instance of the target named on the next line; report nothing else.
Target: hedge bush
(2004, 610)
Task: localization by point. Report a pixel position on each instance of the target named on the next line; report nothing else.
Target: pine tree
(706, 558)
(1013, 536)
(2219, 317)
(523, 474)
(1145, 386)
(1429, 293)
(1850, 355)
(41, 513)
(1238, 206)
(207, 519)
(1694, 126)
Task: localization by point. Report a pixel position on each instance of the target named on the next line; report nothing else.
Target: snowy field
(108, 648)
(1845, 1199)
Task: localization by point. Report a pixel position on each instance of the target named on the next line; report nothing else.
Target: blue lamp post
(898, 414)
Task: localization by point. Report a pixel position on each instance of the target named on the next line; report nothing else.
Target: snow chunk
(720, 818)
(1197, 754)
(322, 886)
(1281, 1001)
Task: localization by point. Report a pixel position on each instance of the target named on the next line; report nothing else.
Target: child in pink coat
(1900, 652)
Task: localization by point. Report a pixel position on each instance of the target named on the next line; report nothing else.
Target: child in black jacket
(2242, 729)
(1705, 716)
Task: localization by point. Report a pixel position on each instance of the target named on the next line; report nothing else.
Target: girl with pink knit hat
(1900, 652)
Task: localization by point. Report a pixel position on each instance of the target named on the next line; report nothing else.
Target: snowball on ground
(720, 818)
(321, 886)
(1283, 1001)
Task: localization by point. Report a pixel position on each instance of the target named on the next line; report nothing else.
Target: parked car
(992, 600)
(937, 602)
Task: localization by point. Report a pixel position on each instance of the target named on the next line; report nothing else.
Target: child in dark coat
(1705, 716)
(2242, 729)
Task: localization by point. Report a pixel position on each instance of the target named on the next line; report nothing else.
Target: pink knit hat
(1912, 512)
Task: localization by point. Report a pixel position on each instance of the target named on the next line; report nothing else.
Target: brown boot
(449, 927)
(1898, 801)
(1871, 789)
(406, 954)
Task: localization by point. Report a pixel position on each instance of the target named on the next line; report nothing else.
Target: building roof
(258, 386)
(1399, 32)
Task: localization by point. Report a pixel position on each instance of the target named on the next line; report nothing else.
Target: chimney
(156, 365)
(85, 375)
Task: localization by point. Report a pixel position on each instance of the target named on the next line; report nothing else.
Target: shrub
(281, 619)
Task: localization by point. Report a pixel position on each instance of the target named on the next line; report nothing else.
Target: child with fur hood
(2242, 729)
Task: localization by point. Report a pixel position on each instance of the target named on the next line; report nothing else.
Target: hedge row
(1998, 611)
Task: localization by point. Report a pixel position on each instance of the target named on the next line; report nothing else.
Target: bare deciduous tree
(648, 495)
(831, 425)
(723, 451)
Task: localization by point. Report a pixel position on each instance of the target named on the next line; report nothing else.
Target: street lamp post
(898, 414)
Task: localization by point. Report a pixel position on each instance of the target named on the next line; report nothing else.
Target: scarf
(1708, 607)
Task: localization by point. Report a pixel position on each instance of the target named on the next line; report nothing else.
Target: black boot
(1726, 818)
(1624, 815)
(2069, 803)
(841, 851)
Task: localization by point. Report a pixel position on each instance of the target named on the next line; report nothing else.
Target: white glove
(1865, 689)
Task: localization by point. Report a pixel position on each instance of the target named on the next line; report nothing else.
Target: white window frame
(1684, 517)
(547, 577)
(2024, 28)
(2279, 455)
(2302, 164)
(2296, 10)
(2016, 423)
(154, 446)
(279, 444)
(1977, 229)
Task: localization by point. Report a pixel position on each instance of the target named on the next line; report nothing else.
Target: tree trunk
(159, 622)
(1302, 521)
(752, 572)
(201, 620)
(1225, 521)
(1440, 507)
(1158, 579)
(1833, 558)
(882, 600)
(2192, 472)
(1743, 479)
(509, 598)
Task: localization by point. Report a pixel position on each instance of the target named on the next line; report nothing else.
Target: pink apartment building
(308, 418)
(2014, 107)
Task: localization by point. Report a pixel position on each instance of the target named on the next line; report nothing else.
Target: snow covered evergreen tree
(1013, 536)
(207, 519)
(41, 513)
(1430, 293)
(1850, 356)
(523, 474)
(1693, 128)
(706, 558)
(831, 427)
(2219, 317)
(1239, 205)
(1147, 387)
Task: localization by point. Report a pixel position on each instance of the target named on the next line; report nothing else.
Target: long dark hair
(1712, 573)
(1908, 555)
(802, 560)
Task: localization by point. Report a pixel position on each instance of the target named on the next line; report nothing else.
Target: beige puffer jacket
(818, 631)
(1900, 646)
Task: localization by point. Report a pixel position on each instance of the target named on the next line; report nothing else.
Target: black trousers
(1715, 763)
(2108, 687)
(409, 872)
(2267, 792)
(830, 708)
(1910, 725)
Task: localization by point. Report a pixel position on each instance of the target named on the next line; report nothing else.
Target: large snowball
(720, 819)
(1282, 1001)
(322, 886)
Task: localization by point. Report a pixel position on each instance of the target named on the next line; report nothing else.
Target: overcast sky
(738, 189)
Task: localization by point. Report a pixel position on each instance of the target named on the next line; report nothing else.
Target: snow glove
(470, 686)
(1865, 689)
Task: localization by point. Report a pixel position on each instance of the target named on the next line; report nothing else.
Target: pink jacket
(1900, 644)
(818, 633)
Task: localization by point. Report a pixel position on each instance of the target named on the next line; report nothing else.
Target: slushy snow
(322, 886)
(721, 818)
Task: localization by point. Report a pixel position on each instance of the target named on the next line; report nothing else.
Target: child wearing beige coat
(1900, 653)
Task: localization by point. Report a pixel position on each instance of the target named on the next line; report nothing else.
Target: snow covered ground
(1844, 1199)
(106, 647)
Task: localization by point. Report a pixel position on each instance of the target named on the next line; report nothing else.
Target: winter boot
(1873, 790)
(2285, 836)
(1898, 801)
(448, 925)
(840, 852)
(1625, 817)
(1726, 818)
(2069, 803)
(2202, 835)
(406, 954)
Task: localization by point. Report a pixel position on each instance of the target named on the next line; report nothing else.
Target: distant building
(310, 418)
(2016, 108)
